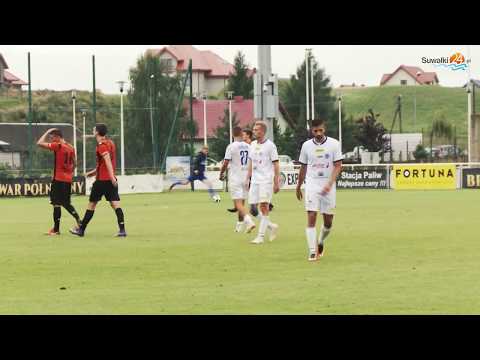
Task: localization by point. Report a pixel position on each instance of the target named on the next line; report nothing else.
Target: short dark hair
(57, 132)
(237, 131)
(319, 122)
(248, 132)
(101, 129)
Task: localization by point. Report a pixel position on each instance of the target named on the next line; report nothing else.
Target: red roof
(204, 60)
(216, 111)
(424, 77)
(5, 66)
(10, 78)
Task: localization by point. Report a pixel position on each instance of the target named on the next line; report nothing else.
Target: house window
(403, 82)
(168, 64)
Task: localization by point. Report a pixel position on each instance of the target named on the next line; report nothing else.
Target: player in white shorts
(236, 155)
(321, 159)
(264, 179)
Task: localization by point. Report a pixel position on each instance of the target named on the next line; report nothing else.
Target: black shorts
(104, 188)
(60, 192)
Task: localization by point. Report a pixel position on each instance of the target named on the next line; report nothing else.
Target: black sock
(86, 219)
(120, 219)
(57, 214)
(73, 212)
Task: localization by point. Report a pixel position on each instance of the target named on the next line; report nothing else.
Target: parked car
(286, 162)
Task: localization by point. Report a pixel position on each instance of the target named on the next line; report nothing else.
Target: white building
(210, 72)
(409, 75)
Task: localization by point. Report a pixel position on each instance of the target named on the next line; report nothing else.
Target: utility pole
(30, 150)
(94, 92)
(74, 123)
(265, 90)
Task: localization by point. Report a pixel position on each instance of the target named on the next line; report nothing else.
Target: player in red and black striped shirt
(64, 165)
(105, 183)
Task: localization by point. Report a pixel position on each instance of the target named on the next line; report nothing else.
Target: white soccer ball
(216, 198)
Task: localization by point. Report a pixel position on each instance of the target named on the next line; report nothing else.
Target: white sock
(247, 219)
(311, 233)
(264, 222)
(324, 233)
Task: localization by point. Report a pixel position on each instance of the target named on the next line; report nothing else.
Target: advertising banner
(36, 187)
(424, 176)
(178, 168)
(471, 178)
(363, 178)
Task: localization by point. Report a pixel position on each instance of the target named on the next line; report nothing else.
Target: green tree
(219, 143)
(293, 97)
(370, 133)
(152, 87)
(420, 154)
(239, 82)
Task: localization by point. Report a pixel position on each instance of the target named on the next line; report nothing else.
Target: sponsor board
(177, 168)
(471, 178)
(424, 176)
(36, 187)
(366, 178)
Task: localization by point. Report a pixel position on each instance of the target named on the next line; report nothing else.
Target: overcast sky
(70, 66)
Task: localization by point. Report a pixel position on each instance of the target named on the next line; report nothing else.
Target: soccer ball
(216, 198)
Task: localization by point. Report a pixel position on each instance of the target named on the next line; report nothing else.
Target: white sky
(65, 67)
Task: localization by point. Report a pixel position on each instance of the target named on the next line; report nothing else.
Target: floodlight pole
(312, 84)
(84, 144)
(469, 120)
(230, 96)
(74, 122)
(306, 87)
(340, 122)
(122, 133)
(30, 150)
(205, 142)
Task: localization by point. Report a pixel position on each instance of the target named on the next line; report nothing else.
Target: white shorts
(238, 191)
(314, 201)
(260, 193)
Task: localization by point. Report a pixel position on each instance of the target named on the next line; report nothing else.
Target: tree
(239, 82)
(370, 133)
(293, 97)
(152, 87)
(441, 129)
(420, 154)
(219, 143)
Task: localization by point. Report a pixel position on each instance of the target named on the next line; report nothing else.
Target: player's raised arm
(42, 142)
(108, 164)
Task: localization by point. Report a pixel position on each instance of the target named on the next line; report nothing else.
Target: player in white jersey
(321, 159)
(236, 155)
(264, 179)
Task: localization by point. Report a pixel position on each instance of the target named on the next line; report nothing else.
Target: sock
(86, 219)
(57, 214)
(72, 212)
(324, 233)
(264, 221)
(175, 184)
(247, 219)
(120, 219)
(211, 192)
(311, 233)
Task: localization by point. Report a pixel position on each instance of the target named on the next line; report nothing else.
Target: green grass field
(410, 252)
